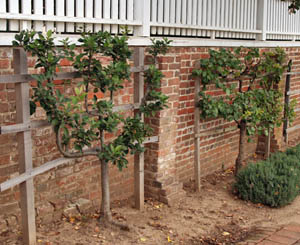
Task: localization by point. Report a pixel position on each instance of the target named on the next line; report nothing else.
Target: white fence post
(262, 13)
(141, 10)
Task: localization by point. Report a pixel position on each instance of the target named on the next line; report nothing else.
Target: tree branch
(89, 152)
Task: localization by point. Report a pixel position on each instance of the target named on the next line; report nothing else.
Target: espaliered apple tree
(250, 96)
(80, 123)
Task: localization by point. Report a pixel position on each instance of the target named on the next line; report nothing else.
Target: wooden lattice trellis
(23, 127)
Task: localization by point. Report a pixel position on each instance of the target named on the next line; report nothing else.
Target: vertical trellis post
(287, 100)
(24, 149)
(139, 158)
(197, 138)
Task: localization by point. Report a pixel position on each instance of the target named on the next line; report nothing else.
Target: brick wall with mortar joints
(169, 160)
(67, 183)
(218, 151)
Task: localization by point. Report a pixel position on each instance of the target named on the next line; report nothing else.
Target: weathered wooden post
(24, 149)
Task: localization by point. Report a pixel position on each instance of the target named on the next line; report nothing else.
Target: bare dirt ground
(214, 216)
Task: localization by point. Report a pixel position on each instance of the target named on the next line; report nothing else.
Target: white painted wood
(106, 14)
(204, 16)
(160, 15)
(213, 18)
(69, 19)
(114, 15)
(13, 8)
(178, 16)
(172, 16)
(3, 10)
(79, 12)
(166, 16)
(60, 12)
(199, 16)
(130, 15)
(243, 15)
(189, 16)
(49, 10)
(142, 13)
(153, 16)
(70, 7)
(122, 10)
(98, 14)
(89, 7)
(248, 18)
(217, 16)
(183, 16)
(194, 17)
(262, 18)
(26, 9)
(225, 16)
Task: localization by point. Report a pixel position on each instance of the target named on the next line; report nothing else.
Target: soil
(213, 216)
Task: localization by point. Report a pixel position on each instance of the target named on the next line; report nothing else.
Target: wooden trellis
(288, 93)
(23, 127)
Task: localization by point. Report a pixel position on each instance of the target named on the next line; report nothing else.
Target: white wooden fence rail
(224, 19)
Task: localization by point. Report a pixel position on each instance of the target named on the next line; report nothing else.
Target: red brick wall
(55, 189)
(169, 162)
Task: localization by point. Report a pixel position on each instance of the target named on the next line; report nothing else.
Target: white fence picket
(114, 15)
(79, 13)
(172, 16)
(3, 10)
(196, 18)
(160, 15)
(26, 9)
(60, 12)
(166, 16)
(178, 16)
(70, 11)
(130, 7)
(204, 16)
(38, 10)
(122, 11)
(153, 16)
(89, 6)
(13, 8)
(98, 14)
(49, 10)
(189, 16)
(106, 14)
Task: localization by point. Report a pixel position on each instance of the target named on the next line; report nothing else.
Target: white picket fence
(215, 19)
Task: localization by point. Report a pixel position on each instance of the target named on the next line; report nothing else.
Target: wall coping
(7, 38)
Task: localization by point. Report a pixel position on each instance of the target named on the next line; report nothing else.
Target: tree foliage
(294, 5)
(249, 83)
(274, 182)
(80, 123)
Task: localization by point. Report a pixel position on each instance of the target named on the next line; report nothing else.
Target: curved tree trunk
(242, 147)
(105, 202)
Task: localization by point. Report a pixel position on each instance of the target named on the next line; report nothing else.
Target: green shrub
(274, 182)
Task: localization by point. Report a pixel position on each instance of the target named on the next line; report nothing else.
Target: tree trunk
(105, 202)
(242, 147)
